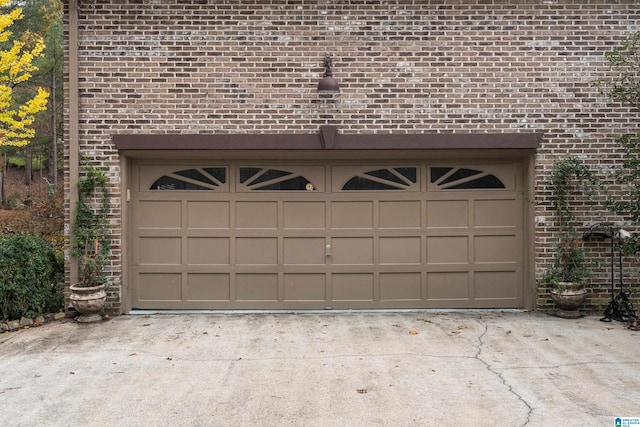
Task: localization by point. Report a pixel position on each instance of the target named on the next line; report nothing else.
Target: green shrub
(14, 200)
(17, 161)
(30, 277)
(37, 162)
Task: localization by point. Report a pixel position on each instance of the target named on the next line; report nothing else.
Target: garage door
(332, 234)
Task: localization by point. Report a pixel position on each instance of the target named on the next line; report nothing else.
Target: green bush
(37, 163)
(30, 277)
(17, 161)
(13, 200)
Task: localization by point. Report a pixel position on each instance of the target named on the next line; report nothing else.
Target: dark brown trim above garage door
(329, 138)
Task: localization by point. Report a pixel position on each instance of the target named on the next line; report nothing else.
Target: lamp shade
(328, 84)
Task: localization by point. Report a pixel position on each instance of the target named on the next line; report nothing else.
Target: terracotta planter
(568, 297)
(88, 301)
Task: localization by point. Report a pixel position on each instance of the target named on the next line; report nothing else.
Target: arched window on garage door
(203, 178)
(458, 178)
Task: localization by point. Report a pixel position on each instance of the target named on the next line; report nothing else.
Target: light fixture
(328, 85)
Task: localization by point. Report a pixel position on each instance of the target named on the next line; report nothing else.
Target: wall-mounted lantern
(328, 85)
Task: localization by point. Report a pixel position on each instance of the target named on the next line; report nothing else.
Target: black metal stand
(620, 307)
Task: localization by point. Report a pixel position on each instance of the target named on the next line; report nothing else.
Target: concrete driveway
(322, 369)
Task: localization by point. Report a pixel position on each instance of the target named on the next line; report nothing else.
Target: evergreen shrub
(30, 277)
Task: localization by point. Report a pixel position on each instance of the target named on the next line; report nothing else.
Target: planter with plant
(91, 245)
(568, 272)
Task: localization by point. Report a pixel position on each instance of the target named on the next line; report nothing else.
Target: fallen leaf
(72, 373)
(413, 332)
(169, 358)
(462, 327)
(424, 320)
(508, 332)
(147, 324)
(133, 354)
(362, 390)
(456, 332)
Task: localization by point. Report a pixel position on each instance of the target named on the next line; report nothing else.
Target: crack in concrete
(491, 369)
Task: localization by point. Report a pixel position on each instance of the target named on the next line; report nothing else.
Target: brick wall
(404, 66)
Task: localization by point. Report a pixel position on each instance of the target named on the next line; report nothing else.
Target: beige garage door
(315, 235)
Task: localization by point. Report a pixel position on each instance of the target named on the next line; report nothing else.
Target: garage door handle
(328, 251)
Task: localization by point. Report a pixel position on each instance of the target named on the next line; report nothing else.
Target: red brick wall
(404, 66)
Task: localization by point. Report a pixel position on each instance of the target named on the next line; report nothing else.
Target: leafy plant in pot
(91, 245)
(568, 273)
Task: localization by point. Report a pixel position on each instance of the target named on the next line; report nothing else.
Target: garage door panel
(495, 249)
(160, 214)
(495, 285)
(448, 285)
(256, 287)
(351, 251)
(208, 287)
(258, 250)
(400, 286)
(305, 287)
(400, 250)
(160, 287)
(352, 214)
(257, 215)
(500, 213)
(447, 213)
(304, 250)
(160, 250)
(352, 287)
(304, 215)
(208, 251)
(448, 250)
(400, 214)
(204, 215)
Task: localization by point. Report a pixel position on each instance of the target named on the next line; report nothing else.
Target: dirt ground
(16, 187)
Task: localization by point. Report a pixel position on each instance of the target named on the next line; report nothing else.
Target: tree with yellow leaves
(16, 66)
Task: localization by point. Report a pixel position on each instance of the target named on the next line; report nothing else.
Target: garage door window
(263, 179)
(450, 178)
(192, 179)
(383, 179)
